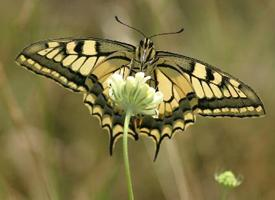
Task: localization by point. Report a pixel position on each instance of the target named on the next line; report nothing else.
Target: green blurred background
(51, 148)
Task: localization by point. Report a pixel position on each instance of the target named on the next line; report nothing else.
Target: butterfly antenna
(119, 21)
(169, 33)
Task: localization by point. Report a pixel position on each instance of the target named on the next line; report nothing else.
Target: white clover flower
(134, 94)
(228, 179)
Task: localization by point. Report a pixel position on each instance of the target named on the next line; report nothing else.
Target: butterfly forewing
(218, 93)
(84, 65)
(68, 61)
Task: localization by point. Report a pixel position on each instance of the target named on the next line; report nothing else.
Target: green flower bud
(228, 179)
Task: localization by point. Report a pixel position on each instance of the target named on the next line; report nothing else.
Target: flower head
(134, 94)
(228, 179)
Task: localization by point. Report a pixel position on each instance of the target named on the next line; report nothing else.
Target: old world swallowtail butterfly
(190, 86)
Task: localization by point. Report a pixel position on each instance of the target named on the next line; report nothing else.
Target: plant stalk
(224, 194)
(125, 154)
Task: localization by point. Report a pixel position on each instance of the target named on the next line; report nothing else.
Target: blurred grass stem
(125, 154)
(18, 119)
(178, 170)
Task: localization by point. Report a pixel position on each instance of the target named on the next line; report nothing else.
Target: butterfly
(190, 87)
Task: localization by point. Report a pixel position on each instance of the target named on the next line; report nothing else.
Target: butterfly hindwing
(218, 93)
(68, 61)
(176, 110)
(97, 97)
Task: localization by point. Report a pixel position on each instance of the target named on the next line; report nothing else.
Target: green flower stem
(224, 194)
(125, 154)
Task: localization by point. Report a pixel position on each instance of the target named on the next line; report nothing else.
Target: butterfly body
(144, 57)
(190, 86)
